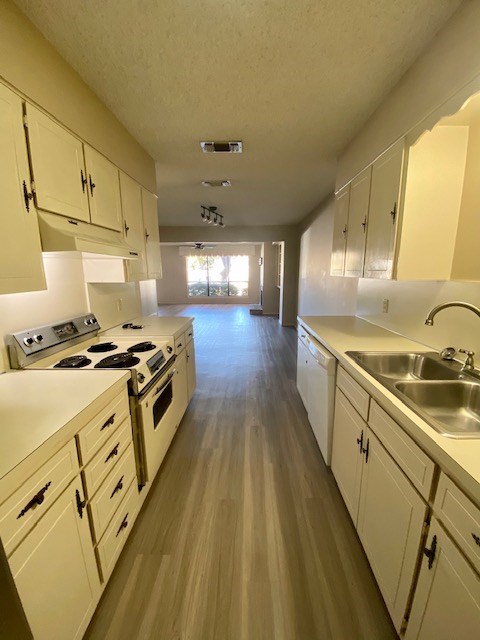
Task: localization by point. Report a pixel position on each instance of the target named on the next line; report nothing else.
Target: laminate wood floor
(244, 535)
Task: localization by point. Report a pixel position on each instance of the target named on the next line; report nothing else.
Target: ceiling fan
(199, 246)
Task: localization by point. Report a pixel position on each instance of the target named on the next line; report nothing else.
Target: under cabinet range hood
(65, 234)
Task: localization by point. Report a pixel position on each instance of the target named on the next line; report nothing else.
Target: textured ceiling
(294, 80)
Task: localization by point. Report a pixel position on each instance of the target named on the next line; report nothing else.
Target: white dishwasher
(321, 395)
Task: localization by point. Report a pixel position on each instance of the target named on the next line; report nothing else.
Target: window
(217, 276)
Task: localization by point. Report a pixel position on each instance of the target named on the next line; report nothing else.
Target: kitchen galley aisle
(244, 535)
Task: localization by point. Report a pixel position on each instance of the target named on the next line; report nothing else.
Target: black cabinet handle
(37, 500)
(80, 503)
(27, 196)
(92, 184)
(430, 553)
(476, 538)
(360, 442)
(113, 452)
(366, 450)
(118, 487)
(393, 212)
(84, 180)
(364, 225)
(123, 525)
(126, 227)
(109, 422)
(344, 231)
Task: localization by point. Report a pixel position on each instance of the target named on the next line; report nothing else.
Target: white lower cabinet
(303, 360)
(191, 369)
(55, 571)
(349, 433)
(446, 603)
(387, 511)
(390, 523)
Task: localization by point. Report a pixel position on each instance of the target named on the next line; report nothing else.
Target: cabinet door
(390, 525)
(103, 190)
(131, 193)
(383, 212)
(340, 232)
(357, 223)
(55, 571)
(58, 167)
(191, 369)
(180, 387)
(446, 603)
(303, 359)
(152, 234)
(21, 266)
(349, 434)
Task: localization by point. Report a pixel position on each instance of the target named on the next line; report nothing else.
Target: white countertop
(460, 459)
(155, 326)
(35, 405)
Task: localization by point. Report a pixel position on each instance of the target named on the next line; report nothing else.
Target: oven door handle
(164, 386)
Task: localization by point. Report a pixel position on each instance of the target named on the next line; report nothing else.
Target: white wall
(172, 288)
(318, 292)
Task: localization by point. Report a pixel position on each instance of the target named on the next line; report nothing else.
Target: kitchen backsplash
(409, 304)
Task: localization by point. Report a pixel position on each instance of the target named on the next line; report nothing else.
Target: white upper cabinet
(357, 223)
(58, 167)
(152, 234)
(133, 228)
(21, 266)
(383, 212)
(340, 231)
(103, 190)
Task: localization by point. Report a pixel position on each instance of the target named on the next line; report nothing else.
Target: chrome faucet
(469, 364)
(446, 305)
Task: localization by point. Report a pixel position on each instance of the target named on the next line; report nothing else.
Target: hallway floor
(244, 535)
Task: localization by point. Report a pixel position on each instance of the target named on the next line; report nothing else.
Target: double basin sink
(447, 398)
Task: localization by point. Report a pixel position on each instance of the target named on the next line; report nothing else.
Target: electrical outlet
(385, 304)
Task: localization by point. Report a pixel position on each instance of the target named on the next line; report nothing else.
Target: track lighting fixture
(210, 216)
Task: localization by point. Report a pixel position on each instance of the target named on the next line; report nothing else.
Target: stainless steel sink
(455, 406)
(438, 391)
(406, 366)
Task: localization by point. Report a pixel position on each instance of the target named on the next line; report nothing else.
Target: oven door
(156, 418)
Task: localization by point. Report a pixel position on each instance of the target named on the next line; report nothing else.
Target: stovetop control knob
(140, 377)
(28, 341)
(38, 338)
(169, 349)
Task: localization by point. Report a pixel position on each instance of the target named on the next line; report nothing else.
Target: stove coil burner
(73, 362)
(101, 347)
(141, 347)
(118, 361)
(130, 325)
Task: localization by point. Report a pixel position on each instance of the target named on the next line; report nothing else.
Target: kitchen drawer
(460, 517)
(98, 430)
(189, 334)
(22, 510)
(354, 392)
(415, 464)
(111, 493)
(302, 335)
(111, 544)
(180, 343)
(98, 469)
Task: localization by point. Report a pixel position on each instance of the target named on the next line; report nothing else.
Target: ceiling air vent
(222, 147)
(216, 183)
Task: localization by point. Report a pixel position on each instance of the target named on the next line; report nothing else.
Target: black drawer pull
(37, 500)
(430, 553)
(109, 422)
(113, 452)
(118, 487)
(92, 184)
(360, 442)
(123, 525)
(366, 451)
(476, 538)
(80, 503)
(179, 345)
